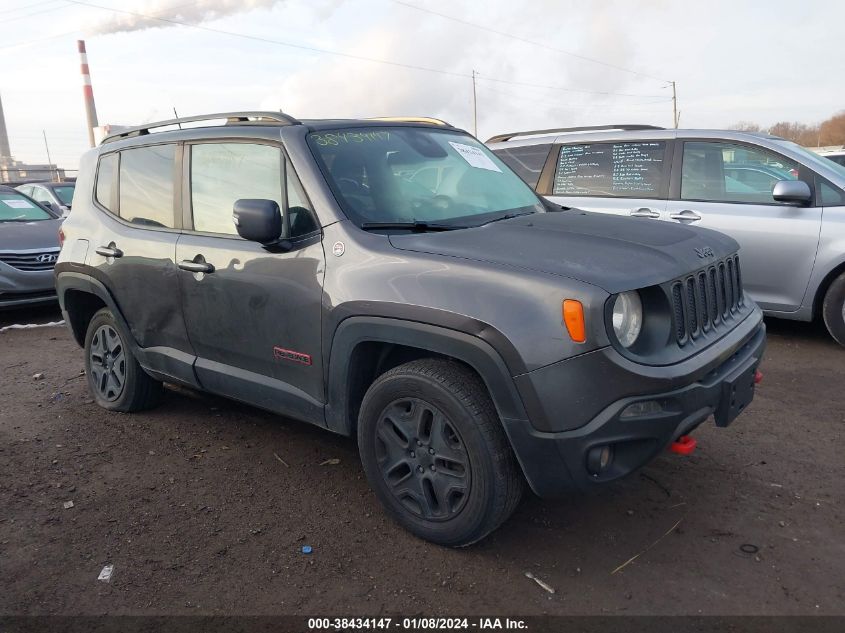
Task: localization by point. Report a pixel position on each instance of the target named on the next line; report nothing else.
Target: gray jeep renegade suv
(394, 280)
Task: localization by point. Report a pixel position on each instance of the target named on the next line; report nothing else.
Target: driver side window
(728, 172)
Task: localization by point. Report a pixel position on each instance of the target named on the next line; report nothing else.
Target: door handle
(196, 267)
(109, 251)
(645, 212)
(685, 215)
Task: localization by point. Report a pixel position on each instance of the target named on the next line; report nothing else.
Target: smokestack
(87, 92)
(4, 136)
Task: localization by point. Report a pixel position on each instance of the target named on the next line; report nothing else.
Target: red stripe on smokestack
(87, 91)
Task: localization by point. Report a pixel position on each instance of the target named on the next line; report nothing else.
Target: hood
(25, 236)
(611, 252)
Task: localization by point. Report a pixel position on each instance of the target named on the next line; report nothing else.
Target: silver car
(784, 204)
(58, 196)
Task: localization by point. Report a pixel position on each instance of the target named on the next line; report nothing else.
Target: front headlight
(627, 317)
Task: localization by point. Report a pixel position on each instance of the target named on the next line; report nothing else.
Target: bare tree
(829, 132)
(746, 126)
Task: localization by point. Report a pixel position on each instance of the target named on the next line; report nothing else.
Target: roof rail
(412, 119)
(232, 118)
(586, 128)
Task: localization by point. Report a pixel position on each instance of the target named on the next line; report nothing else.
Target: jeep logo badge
(704, 252)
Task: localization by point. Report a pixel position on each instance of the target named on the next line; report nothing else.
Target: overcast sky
(732, 60)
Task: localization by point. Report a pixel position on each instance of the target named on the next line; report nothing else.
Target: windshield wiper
(507, 216)
(417, 226)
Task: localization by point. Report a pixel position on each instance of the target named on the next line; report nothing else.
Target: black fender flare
(473, 351)
(70, 280)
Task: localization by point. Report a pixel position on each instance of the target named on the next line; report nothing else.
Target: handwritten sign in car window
(348, 138)
(633, 169)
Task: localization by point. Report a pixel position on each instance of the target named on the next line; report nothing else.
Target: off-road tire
(137, 390)
(495, 481)
(833, 309)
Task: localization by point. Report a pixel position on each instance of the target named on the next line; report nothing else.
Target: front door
(728, 187)
(253, 316)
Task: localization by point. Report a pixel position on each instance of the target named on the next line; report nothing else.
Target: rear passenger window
(527, 161)
(629, 170)
(105, 192)
(222, 173)
(146, 185)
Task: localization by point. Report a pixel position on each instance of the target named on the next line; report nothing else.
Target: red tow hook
(684, 445)
(758, 377)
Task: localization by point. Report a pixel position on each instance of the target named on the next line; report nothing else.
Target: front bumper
(556, 463)
(25, 288)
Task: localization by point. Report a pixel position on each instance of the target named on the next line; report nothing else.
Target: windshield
(16, 208)
(423, 175)
(813, 158)
(64, 193)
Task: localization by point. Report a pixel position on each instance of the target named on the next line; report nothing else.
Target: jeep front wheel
(434, 451)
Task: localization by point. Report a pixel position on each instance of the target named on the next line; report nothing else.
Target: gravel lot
(203, 506)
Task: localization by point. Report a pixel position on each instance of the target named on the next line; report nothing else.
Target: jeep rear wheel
(434, 451)
(833, 309)
(115, 378)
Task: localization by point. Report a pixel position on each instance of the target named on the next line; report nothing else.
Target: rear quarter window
(527, 161)
(105, 191)
(634, 169)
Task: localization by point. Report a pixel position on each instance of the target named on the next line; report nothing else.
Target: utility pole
(674, 106)
(49, 160)
(474, 107)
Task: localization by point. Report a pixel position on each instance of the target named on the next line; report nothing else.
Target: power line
(29, 15)
(314, 49)
(28, 6)
(590, 92)
(527, 41)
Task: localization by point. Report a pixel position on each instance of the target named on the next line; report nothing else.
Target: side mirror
(792, 192)
(258, 220)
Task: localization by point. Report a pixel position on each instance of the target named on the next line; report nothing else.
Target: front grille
(31, 261)
(705, 299)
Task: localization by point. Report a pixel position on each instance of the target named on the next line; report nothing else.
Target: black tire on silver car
(833, 309)
(434, 451)
(116, 380)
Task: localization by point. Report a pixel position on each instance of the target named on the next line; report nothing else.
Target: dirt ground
(194, 507)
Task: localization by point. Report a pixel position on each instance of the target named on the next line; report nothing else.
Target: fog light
(599, 459)
(640, 409)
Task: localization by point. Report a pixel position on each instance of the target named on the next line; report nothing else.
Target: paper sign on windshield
(18, 204)
(475, 157)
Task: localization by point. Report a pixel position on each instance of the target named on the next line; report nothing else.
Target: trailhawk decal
(280, 353)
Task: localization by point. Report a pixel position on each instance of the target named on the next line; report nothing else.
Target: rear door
(628, 178)
(253, 315)
(133, 250)
(727, 186)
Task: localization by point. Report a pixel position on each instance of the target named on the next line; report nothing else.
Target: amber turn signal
(573, 318)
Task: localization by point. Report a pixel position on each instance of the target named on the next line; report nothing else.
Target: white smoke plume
(136, 16)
